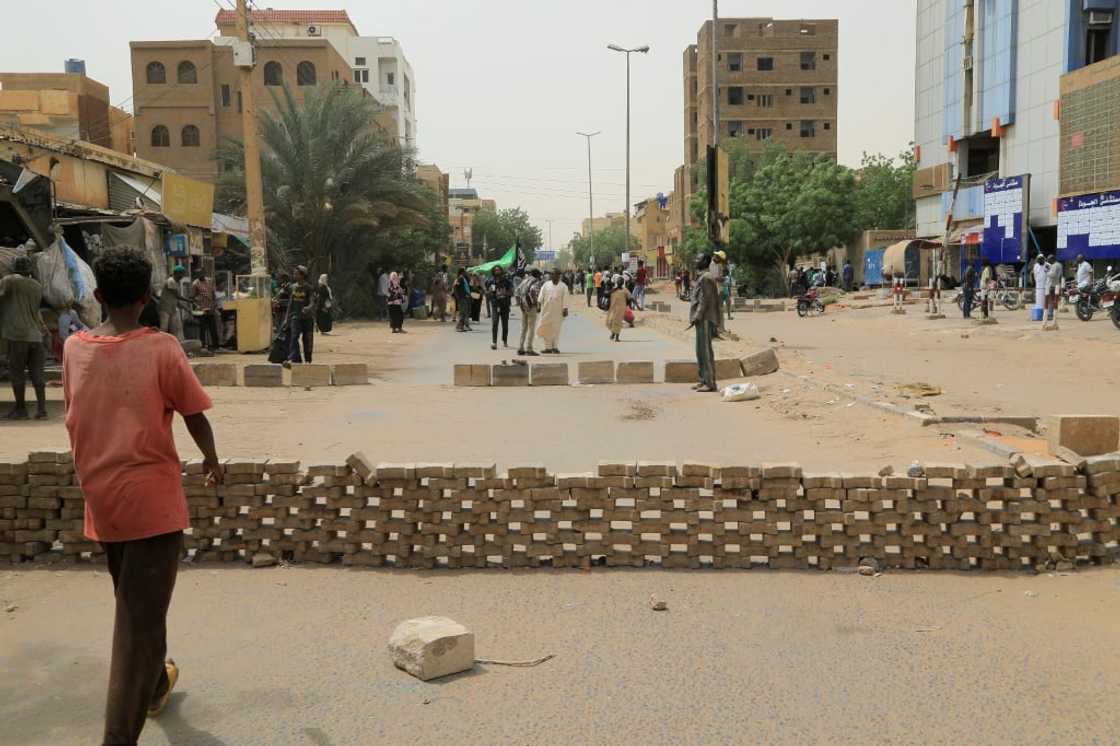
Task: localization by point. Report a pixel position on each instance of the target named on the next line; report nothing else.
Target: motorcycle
(1009, 298)
(809, 303)
(1099, 296)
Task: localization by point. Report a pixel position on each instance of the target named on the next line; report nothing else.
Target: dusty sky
(503, 85)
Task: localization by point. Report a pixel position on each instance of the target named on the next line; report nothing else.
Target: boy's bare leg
(143, 577)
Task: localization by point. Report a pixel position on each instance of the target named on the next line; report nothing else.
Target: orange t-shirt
(121, 394)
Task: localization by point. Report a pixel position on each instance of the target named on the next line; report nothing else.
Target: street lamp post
(644, 50)
(590, 194)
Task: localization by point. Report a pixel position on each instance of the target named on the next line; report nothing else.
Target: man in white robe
(1040, 272)
(554, 309)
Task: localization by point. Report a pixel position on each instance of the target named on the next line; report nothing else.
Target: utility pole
(715, 72)
(258, 237)
(628, 52)
(549, 234)
(590, 195)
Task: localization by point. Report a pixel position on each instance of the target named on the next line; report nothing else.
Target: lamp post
(590, 195)
(644, 50)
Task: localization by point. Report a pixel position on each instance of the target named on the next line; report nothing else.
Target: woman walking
(324, 306)
(619, 302)
(397, 300)
(476, 298)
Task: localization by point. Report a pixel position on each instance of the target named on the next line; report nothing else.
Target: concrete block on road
(350, 374)
(216, 374)
(431, 647)
(635, 372)
(728, 368)
(263, 375)
(1084, 434)
(509, 375)
(760, 363)
(550, 374)
(472, 375)
(311, 374)
(596, 372)
(682, 371)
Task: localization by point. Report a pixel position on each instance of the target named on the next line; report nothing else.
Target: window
(305, 73)
(809, 29)
(730, 29)
(789, 125)
(391, 78)
(826, 57)
(161, 138)
(750, 97)
(735, 62)
(273, 73)
(239, 102)
(334, 76)
(765, 64)
(808, 128)
(828, 91)
(763, 134)
(808, 60)
(789, 91)
(765, 100)
(365, 76)
(357, 76)
(808, 95)
(735, 129)
(735, 95)
(187, 74)
(1098, 36)
(828, 125)
(360, 61)
(190, 136)
(155, 73)
(225, 95)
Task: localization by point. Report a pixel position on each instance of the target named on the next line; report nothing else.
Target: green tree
(609, 244)
(884, 197)
(500, 230)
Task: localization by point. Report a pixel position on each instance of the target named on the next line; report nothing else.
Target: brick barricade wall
(998, 516)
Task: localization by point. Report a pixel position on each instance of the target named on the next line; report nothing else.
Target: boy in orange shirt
(122, 384)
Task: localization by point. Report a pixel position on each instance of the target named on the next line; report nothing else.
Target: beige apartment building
(463, 205)
(777, 83)
(66, 105)
(187, 97)
(651, 226)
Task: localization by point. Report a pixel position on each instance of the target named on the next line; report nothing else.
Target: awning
(233, 225)
(125, 189)
(970, 235)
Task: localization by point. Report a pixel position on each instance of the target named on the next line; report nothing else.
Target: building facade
(378, 63)
(1017, 100)
(777, 83)
(463, 205)
(651, 221)
(66, 105)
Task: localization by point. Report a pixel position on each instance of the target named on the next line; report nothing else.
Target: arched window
(190, 136)
(187, 73)
(161, 138)
(156, 74)
(305, 73)
(273, 74)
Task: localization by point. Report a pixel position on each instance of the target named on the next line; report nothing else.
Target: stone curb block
(550, 374)
(264, 375)
(728, 368)
(681, 371)
(472, 375)
(216, 374)
(310, 374)
(509, 375)
(760, 363)
(350, 374)
(596, 372)
(635, 372)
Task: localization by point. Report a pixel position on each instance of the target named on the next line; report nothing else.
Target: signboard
(177, 244)
(545, 255)
(1006, 214)
(186, 201)
(1089, 225)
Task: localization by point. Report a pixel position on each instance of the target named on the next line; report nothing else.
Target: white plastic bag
(52, 273)
(741, 392)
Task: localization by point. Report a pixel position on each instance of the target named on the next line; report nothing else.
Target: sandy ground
(411, 412)
(297, 656)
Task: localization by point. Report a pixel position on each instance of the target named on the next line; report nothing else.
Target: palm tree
(333, 181)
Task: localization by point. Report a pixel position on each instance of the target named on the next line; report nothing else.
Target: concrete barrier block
(1084, 434)
(682, 371)
(509, 375)
(550, 374)
(472, 375)
(216, 374)
(728, 368)
(311, 374)
(263, 375)
(350, 374)
(596, 372)
(635, 372)
(760, 363)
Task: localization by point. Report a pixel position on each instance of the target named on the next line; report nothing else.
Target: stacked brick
(625, 514)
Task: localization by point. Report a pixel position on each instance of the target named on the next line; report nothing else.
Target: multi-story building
(1017, 101)
(439, 184)
(377, 63)
(600, 224)
(651, 225)
(777, 83)
(463, 205)
(187, 97)
(67, 105)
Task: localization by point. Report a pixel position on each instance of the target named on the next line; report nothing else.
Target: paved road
(584, 337)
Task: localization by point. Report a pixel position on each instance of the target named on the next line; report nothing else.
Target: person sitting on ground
(122, 384)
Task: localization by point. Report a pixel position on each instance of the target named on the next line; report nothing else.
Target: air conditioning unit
(1100, 17)
(314, 30)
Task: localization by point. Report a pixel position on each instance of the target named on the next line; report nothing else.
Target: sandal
(172, 677)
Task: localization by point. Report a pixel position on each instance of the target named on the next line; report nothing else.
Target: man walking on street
(528, 301)
(439, 295)
(1053, 292)
(22, 328)
(554, 309)
(462, 295)
(202, 293)
(704, 316)
(170, 301)
(640, 280)
(847, 275)
(499, 293)
(300, 319)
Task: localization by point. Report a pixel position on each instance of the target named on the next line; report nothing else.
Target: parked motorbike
(809, 303)
(1010, 298)
(1097, 297)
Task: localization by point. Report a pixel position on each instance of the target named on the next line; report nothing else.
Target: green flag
(505, 262)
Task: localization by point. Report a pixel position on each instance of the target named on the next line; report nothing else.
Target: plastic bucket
(1036, 314)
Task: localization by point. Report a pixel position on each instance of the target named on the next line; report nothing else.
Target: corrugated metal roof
(303, 17)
